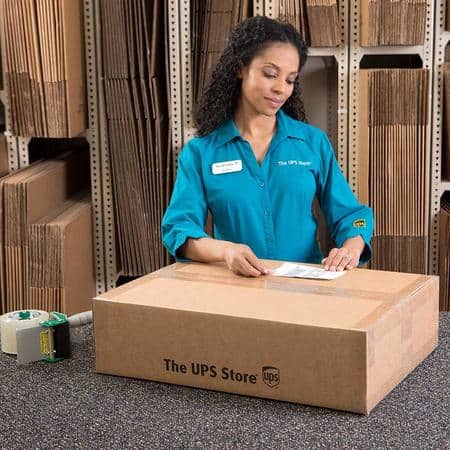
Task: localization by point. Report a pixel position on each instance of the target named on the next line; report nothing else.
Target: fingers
(248, 270)
(352, 263)
(243, 261)
(241, 266)
(340, 259)
(256, 263)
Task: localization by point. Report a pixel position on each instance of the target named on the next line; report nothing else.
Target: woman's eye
(269, 75)
(290, 81)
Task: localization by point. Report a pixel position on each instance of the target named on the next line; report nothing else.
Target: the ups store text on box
(342, 344)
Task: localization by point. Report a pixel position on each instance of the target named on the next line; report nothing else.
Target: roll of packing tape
(16, 320)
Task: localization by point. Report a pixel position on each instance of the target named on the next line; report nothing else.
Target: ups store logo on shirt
(293, 162)
(271, 376)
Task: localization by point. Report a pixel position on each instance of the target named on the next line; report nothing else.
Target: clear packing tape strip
(218, 273)
(18, 320)
(358, 284)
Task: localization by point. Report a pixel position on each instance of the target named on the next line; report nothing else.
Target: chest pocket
(225, 189)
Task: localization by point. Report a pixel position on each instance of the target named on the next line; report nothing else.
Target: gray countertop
(67, 405)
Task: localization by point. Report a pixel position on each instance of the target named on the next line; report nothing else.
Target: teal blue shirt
(267, 206)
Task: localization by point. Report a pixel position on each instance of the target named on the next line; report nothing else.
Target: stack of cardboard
(393, 22)
(444, 254)
(1, 71)
(61, 264)
(133, 64)
(27, 196)
(316, 20)
(294, 12)
(4, 167)
(44, 66)
(323, 22)
(211, 23)
(393, 114)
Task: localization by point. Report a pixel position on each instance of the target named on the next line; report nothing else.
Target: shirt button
(267, 213)
(262, 184)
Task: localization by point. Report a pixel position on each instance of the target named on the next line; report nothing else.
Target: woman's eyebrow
(295, 72)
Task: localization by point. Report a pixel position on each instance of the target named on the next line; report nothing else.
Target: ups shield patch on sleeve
(359, 223)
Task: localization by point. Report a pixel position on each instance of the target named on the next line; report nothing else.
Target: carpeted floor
(66, 405)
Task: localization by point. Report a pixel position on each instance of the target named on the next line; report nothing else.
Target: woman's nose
(277, 87)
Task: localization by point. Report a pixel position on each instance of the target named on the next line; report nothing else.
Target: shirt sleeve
(186, 214)
(345, 216)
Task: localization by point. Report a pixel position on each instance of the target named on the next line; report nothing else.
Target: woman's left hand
(346, 257)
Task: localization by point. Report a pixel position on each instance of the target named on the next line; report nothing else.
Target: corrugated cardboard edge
(79, 273)
(72, 11)
(395, 335)
(364, 26)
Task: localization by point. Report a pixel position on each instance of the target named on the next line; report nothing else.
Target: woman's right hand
(241, 260)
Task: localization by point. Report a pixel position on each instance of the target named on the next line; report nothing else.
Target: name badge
(227, 167)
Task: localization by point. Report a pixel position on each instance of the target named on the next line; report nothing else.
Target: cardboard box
(342, 344)
(26, 196)
(61, 258)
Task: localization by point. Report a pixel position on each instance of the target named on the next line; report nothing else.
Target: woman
(257, 167)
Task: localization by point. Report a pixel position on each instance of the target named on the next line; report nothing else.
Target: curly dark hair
(247, 39)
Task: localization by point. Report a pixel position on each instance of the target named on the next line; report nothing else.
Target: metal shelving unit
(102, 201)
(186, 70)
(347, 56)
(341, 116)
(179, 107)
(13, 156)
(98, 170)
(356, 53)
(18, 154)
(12, 142)
(179, 71)
(438, 186)
(107, 268)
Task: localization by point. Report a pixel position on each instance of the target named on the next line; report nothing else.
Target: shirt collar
(286, 127)
(227, 132)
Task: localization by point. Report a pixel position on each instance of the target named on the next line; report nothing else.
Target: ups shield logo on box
(271, 376)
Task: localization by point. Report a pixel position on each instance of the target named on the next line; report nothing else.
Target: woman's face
(268, 81)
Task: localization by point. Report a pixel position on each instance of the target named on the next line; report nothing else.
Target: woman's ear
(240, 72)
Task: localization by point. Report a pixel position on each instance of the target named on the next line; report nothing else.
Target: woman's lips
(275, 103)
